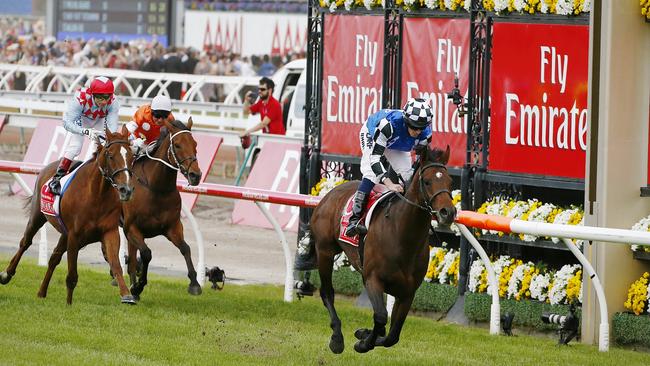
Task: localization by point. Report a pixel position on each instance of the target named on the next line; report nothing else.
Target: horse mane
(434, 155)
(164, 133)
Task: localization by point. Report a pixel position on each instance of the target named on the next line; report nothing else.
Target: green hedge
(429, 297)
(527, 312)
(628, 328)
(435, 297)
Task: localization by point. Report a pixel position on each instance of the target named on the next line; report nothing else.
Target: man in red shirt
(268, 107)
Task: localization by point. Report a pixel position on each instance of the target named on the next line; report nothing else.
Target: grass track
(242, 325)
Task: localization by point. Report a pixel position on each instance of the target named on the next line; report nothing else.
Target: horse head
(434, 184)
(113, 158)
(182, 150)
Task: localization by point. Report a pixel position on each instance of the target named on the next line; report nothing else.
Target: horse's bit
(109, 177)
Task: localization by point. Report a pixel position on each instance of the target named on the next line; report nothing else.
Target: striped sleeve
(383, 133)
(72, 116)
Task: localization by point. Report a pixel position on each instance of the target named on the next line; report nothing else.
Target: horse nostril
(443, 213)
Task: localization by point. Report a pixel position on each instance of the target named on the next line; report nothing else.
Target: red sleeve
(275, 113)
(255, 108)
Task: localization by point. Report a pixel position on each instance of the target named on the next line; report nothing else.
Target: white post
(200, 272)
(495, 309)
(288, 260)
(123, 249)
(603, 338)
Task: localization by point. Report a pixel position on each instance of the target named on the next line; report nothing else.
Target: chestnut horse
(156, 209)
(396, 250)
(90, 210)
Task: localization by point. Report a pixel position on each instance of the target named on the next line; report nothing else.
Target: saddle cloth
(378, 193)
(49, 201)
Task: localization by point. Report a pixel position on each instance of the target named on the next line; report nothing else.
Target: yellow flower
(637, 295)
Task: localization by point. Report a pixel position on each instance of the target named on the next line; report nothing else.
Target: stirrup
(352, 230)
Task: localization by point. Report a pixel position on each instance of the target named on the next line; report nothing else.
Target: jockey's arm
(72, 117)
(382, 134)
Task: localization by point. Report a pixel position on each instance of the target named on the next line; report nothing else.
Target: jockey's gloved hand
(92, 134)
(137, 144)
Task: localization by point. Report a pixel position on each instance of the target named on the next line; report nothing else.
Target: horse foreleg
(111, 240)
(136, 242)
(325, 265)
(398, 316)
(132, 265)
(36, 221)
(375, 290)
(72, 277)
(54, 261)
(175, 235)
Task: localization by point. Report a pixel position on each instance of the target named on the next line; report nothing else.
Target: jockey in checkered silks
(387, 139)
(87, 114)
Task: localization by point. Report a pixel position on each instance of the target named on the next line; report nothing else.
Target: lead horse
(89, 210)
(156, 209)
(396, 249)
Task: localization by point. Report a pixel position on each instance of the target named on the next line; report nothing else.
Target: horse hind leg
(375, 291)
(175, 235)
(54, 261)
(36, 221)
(325, 266)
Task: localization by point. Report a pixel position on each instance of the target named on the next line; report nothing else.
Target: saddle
(377, 195)
(50, 202)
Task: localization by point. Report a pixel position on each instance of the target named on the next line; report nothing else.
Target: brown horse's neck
(158, 176)
(97, 184)
(413, 217)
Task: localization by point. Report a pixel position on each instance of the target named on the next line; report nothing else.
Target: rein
(427, 207)
(172, 151)
(111, 176)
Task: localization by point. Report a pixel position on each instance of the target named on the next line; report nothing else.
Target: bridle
(427, 206)
(171, 151)
(111, 176)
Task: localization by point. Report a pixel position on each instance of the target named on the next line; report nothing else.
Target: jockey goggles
(102, 96)
(160, 114)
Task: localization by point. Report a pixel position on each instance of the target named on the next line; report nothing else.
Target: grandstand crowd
(23, 42)
(279, 6)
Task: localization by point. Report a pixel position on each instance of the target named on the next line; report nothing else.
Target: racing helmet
(161, 103)
(417, 113)
(101, 85)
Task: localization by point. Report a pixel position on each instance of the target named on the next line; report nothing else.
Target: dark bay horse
(90, 210)
(396, 251)
(156, 209)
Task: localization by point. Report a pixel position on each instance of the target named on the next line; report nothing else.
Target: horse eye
(177, 146)
(427, 183)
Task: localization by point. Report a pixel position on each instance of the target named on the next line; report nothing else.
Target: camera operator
(268, 107)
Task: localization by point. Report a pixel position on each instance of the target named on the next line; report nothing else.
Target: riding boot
(306, 254)
(61, 170)
(356, 226)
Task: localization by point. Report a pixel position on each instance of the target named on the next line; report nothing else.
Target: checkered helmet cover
(417, 113)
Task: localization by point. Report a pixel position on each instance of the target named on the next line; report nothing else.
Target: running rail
(463, 219)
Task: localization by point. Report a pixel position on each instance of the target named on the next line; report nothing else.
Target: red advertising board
(539, 85)
(277, 169)
(434, 52)
(49, 141)
(352, 79)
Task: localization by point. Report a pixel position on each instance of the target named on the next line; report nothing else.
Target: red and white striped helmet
(101, 85)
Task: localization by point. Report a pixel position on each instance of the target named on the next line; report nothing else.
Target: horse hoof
(114, 282)
(136, 297)
(194, 290)
(128, 299)
(362, 347)
(336, 344)
(362, 333)
(4, 278)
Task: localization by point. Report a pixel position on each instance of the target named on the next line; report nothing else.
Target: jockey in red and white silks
(90, 111)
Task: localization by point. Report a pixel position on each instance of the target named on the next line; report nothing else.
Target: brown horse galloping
(396, 249)
(90, 210)
(156, 209)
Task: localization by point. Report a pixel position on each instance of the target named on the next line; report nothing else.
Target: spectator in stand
(172, 64)
(269, 109)
(266, 69)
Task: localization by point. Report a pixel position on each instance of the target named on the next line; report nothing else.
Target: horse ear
(445, 156)
(189, 123)
(421, 151)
